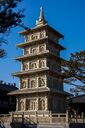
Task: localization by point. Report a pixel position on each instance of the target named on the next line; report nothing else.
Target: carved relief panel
(33, 65)
(42, 47)
(26, 51)
(41, 104)
(23, 82)
(36, 35)
(38, 63)
(31, 104)
(37, 81)
(42, 63)
(21, 104)
(25, 66)
(42, 81)
(33, 82)
(42, 34)
(34, 49)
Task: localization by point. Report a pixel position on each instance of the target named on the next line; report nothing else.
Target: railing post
(11, 116)
(82, 116)
(67, 120)
(23, 117)
(36, 117)
(50, 117)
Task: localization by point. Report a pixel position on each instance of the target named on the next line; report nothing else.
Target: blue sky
(66, 16)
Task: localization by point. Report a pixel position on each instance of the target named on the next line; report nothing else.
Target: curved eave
(38, 90)
(56, 57)
(29, 91)
(46, 26)
(38, 71)
(32, 29)
(60, 92)
(57, 45)
(22, 45)
(55, 31)
(55, 73)
(31, 71)
(25, 57)
(60, 47)
(20, 58)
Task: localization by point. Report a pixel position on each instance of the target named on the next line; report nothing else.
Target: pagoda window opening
(27, 104)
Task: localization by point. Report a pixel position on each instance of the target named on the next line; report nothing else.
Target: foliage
(74, 69)
(9, 18)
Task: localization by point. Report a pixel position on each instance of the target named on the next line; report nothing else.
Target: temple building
(7, 103)
(40, 78)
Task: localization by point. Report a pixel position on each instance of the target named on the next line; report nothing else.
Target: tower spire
(41, 20)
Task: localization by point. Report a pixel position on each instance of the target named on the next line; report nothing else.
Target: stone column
(45, 60)
(46, 103)
(17, 103)
(37, 79)
(37, 63)
(38, 50)
(24, 104)
(45, 81)
(36, 104)
(21, 66)
(19, 83)
(28, 65)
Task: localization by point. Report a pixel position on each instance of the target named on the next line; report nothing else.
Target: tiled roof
(77, 99)
(7, 87)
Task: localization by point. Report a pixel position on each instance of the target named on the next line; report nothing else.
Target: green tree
(74, 69)
(9, 18)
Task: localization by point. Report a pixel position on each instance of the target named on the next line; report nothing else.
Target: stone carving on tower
(41, 83)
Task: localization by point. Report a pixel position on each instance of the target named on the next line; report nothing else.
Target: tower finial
(41, 20)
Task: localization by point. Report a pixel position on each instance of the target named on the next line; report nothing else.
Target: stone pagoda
(40, 79)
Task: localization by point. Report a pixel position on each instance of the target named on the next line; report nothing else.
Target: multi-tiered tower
(41, 84)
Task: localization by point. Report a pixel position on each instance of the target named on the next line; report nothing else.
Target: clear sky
(66, 16)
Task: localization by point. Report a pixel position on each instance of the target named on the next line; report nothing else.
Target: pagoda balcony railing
(40, 117)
